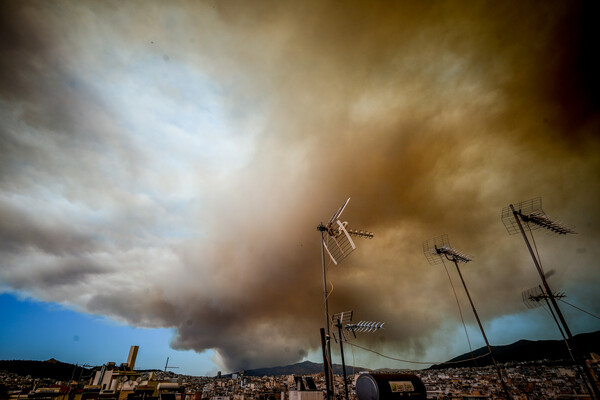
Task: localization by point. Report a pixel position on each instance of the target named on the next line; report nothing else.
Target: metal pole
(595, 392)
(71, 380)
(339, 326)
(558, 325)
(483, 333)
(330, 390)
(325, 364)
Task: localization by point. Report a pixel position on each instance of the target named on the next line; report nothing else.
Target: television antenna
(83, 366)
(81, 369)
(438, 249)
(167, 365)
(537, 297)
(530, 214)
(338, 243)
(336, 240)
(364, 327)
(342, 322)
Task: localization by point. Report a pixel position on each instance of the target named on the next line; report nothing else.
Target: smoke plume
(167, 164)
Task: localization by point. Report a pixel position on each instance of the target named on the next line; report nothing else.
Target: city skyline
(165, 167)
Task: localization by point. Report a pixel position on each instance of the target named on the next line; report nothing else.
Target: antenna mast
(531, 215)
(342, 322)
(167, 365)
(435, 251)
(336, 240)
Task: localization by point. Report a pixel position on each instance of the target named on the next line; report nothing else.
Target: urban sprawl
(526, 381)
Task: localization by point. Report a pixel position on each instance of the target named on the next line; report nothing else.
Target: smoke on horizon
(166, 165)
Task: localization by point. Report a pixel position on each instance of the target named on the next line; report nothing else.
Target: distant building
(112, 382)
(109, 376)
(303, 388)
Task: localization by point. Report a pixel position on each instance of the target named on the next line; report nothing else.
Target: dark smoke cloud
(432, 116)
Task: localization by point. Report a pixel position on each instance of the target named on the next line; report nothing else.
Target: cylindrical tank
(168, 386)
(375, 386)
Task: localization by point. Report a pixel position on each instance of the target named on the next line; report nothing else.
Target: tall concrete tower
(132, 356)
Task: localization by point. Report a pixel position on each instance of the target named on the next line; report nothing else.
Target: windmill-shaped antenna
(342, 322)
(435, 250)
(530, 214)
(337, 241)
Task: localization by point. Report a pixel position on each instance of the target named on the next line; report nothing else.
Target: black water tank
(390, 387)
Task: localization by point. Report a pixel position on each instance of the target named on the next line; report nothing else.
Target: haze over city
(164, 166)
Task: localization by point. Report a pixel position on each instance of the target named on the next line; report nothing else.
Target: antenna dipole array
(530, 212)
(536, 297)
(344, 319)
(542, 220)
(362, 234)
(453, 255)
(365, 326)
(438, 247)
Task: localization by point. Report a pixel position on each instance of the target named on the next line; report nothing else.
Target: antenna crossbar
(542, 220)
(362, 234)
(453, 255)
(536, 297)
(438, 247)
(365, 327)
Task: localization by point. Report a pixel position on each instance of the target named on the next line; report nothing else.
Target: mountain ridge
(519, 351)
(301, 368)
(525, 350)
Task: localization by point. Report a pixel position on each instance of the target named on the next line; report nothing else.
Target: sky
(164, 167)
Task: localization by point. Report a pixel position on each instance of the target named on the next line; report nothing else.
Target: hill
(303, 368)
(526, 350)
(52, 369)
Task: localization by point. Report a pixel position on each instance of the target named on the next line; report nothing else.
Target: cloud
(167, 165)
